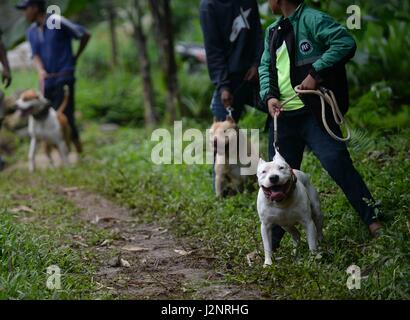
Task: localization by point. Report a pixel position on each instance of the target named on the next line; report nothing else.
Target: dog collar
(292, 185)
(43, 113)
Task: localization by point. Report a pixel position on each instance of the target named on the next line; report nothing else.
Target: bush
(374, 110)
(196, 92)
(383, 58)
(117, 99)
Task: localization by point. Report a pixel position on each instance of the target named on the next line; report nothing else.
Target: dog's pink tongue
(277, 196)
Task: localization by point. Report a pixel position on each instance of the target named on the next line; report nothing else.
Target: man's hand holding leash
(226, 97)
(275, 107)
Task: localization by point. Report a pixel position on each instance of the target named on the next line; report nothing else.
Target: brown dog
(231, 146)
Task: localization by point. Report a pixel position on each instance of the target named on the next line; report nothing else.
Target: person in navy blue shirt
(50, 37)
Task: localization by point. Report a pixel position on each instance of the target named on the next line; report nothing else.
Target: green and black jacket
(317, 45)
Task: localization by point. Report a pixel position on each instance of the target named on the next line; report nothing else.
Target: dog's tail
(66, 99)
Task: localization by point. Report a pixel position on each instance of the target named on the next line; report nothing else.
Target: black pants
(298, 129)
(55, 94)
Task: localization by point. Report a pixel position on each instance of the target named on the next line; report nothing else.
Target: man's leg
(2, 164)
(56, 96)
(70, 114)
(336, 160)
(291, 147)
(50, 93)
(219, 112)
(217, 108)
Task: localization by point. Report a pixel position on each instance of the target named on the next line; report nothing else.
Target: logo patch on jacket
(240, 22)
(305, 47)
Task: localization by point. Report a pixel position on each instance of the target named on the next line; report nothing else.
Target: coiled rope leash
(326, 96)
(275, 132)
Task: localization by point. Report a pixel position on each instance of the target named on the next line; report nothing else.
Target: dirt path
(146, 262)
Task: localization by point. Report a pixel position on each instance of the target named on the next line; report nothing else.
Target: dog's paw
(251, 258)
(267, 264)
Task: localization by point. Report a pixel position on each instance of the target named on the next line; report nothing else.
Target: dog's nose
(274, 179)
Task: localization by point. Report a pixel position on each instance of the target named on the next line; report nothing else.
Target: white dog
(287, 198)
(46, 124)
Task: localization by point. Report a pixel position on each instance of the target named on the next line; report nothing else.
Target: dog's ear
(261, 162)
(43, 100)
(279, 157)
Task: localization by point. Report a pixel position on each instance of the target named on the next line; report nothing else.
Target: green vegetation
(118, 165)
(38, 228)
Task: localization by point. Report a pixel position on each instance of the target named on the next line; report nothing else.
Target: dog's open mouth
(277, 192)
(26, 112)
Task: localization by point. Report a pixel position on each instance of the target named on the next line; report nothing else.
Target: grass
(182, 195)
(33, 240)
(118, 165)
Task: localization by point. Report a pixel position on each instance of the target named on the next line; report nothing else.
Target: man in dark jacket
(53, 56)
(234, 43)
(307, 47)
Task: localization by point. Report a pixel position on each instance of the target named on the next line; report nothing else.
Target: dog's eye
(281, 168)
(264, 171)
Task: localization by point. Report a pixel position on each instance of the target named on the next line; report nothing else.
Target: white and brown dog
(46, 124)
(231, 146)
(287, 198)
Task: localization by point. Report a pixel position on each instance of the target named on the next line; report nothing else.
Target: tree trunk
(113, 34)
(162, 15)
(158, 32)
(141, 43)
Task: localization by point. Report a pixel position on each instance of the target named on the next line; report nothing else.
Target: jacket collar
(294, 16)
(298, 12)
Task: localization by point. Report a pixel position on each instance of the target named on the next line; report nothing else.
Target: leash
(230, 111)
(326, 96)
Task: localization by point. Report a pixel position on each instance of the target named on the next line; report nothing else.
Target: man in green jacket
(307, 47)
